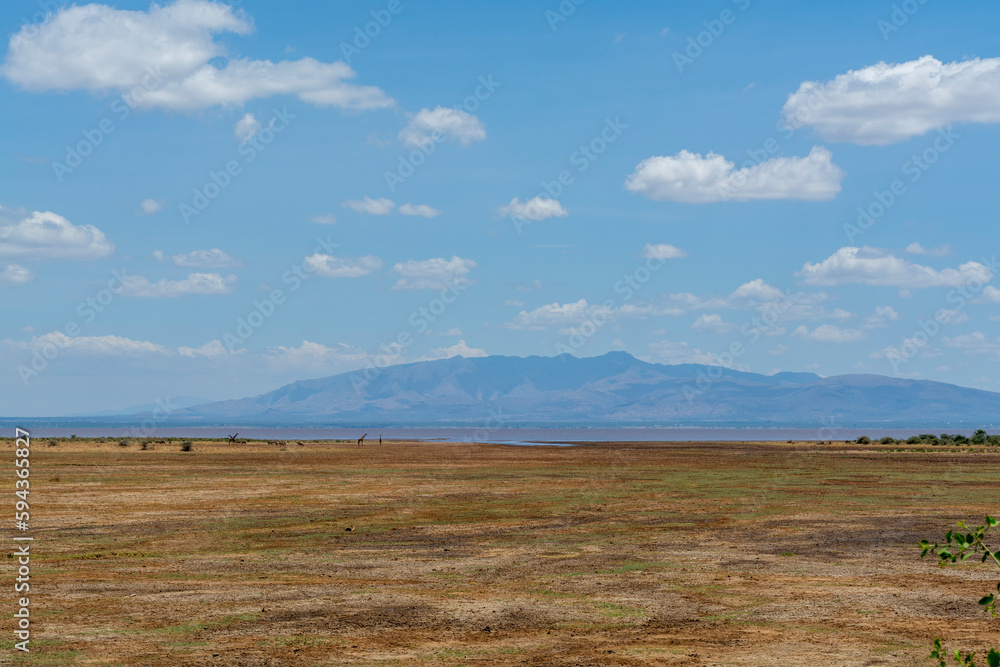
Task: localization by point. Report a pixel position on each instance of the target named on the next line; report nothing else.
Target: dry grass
(613, 554)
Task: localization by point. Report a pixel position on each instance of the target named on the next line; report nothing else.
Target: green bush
(864, 440)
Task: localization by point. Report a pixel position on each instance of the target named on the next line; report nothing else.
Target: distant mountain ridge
(614, 388)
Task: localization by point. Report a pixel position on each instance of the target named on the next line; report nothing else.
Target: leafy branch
(960, 545)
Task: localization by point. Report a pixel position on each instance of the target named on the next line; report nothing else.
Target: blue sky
(714, 158)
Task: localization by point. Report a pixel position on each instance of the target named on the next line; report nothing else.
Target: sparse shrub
(913, 440)
(993, 440)
(864, 440)
(52, 443)
(888, 441)
(124, 442)
(187, 446)
(979, 437)
(146, 445)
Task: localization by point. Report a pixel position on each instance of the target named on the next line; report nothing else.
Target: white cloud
(661, 251)
(454, 331)
(371, 206)
(917, 249)
(515, 303)
(195, 283)
(325, 219)
(206, 259)
(694, 179)
(211, 350)
(459, 349)
(15, 274)
(990, 295)
(882, 316)
(442, 123)
(557, 314)
(671, 352)
(316, 357)
(328, 266)
(778, 350)
(536, 209)
(246, 127)
(872, 266)
(46, 235)
(151, 206)
(98, 345)
(977, 344)
(159, 256)
(711, 324)
(436, 273)
(423, 210)
(886, 103)
(171, 52)
(829, 333)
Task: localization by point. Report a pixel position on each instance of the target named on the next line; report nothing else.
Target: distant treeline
(980, 437)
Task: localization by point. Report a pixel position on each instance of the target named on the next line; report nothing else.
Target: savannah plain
(409, 553)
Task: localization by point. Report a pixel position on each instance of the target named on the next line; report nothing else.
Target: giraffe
(232, 438)
(362, 439)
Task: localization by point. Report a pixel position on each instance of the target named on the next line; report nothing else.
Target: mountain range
(612, 389)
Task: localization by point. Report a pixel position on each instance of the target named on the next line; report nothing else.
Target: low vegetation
(980, 437)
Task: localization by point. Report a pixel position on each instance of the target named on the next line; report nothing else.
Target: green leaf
(991, 521)
(993, 658)
(987, 600)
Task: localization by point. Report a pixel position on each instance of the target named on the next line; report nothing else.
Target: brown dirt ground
(464, 554)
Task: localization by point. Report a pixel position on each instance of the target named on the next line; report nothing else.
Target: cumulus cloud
(711, 324)
(661, 251)
(211, 350)
(976, 344)
(557, 314)
(872, 266)
(15, 274)
(441, 124)
(98, 345)
(46, 235)
(246, 127)
(459, 349)
(195, 283)
(436, 273)
(206, 259)
(316, 356)
(990, 295)
(886, 103)
(917, 249)
(696, 179)
(171, 55)
(829, 333)
(371, 206)
(676, 352)
(422, 210)
(536, 209)
(882, 316)
(328, 266)
(151, 206)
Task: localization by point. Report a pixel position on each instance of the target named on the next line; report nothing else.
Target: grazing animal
(232, 438)
(380, 438)
(361, 440)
